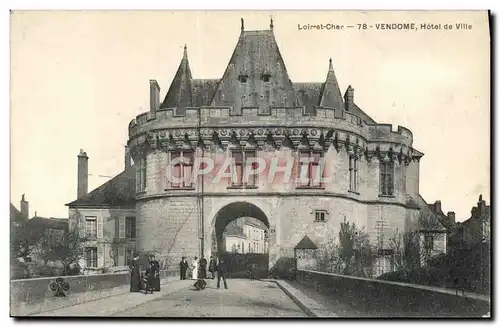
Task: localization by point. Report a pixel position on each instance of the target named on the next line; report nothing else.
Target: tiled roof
(203, 91)
(308, 94)
(426, 208)
(15, 214)
(232, 229)
(358, 112)
(119, 191)
(306, 243)
(50, 223)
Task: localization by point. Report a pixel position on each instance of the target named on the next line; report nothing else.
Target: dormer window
(243, 78)
(266, 77)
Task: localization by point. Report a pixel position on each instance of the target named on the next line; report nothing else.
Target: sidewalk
(305, 302)
(114, 304)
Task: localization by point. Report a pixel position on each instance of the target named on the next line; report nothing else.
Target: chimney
(154, 96)
(481, 204)
(128, 159)
(437, 206)
(25, 208)
(349, 99)
(83, 174)
(451, 216)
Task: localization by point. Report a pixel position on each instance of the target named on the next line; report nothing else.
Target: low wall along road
(385, 298)
(36, 295)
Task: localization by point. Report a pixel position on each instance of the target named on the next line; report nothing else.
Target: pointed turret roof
(306, 243)
(179, 94)
(256, 74)
(330, 93)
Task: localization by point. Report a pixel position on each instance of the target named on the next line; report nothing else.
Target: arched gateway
(244, 257)
(323, 161)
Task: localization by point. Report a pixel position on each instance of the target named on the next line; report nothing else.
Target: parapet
(211, 116)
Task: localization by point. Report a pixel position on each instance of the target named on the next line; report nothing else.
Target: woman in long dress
(135, 276)
(194, 267)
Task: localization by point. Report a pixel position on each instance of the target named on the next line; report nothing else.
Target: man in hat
(221, 273)
(184, 265)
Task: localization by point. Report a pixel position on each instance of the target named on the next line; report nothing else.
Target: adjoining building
(245, 235)
(344, 165)
(476, 229)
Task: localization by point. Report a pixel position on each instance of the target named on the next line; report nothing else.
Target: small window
(91, 227)
(91, 256)
(266, 77)
(319, 215)
(243, 78)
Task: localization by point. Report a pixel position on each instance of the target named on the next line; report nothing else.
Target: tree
(351, 255)
(328, 258)
(347, 236)
(24, 239)
(68, 247)
(405, 250)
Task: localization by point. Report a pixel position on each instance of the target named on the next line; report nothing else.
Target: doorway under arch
(240, 262)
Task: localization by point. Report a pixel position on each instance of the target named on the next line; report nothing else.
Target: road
(244, 298)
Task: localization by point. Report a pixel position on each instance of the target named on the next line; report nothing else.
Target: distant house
(105, 217)
(433, 227)
(17, 217)
(245, 235)
(477, 228)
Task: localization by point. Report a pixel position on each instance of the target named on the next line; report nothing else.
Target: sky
(79, 78)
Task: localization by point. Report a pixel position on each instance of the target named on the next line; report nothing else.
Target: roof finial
(480, 197)
(330, 65)
(22, 198)
(271, 25)
(242, 24)
(185, 54)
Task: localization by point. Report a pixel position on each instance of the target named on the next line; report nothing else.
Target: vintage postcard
(250, 164)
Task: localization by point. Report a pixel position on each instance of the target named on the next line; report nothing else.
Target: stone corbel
(152, 141)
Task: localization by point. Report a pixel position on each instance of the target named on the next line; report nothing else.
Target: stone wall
(392, 299)
(32, 296)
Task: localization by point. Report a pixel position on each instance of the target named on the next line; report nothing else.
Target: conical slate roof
(305, 243)
(256, 74)
(330, 93)
(179, 94)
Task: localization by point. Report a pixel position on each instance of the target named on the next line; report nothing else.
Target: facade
(245, 235)
(105, 217)
(334, 162)
(477, 228)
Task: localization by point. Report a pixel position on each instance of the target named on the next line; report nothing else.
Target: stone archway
(234, 211)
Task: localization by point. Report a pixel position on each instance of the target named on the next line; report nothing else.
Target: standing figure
(156, 281)
(135, 276)
(221, 273)
(183, 267)
(149, 276)
(203, 268)
(212, 265)
(194, 267)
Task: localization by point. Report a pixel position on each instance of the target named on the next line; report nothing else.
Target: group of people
(199, 269)
(150, 281)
